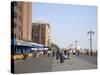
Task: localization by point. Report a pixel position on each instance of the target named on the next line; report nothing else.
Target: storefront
(21, 50)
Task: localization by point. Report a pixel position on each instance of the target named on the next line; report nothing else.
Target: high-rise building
(21, 29)
(21, 15)
(41, 33)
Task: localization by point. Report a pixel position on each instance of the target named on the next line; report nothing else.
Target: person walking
(57, 55)
(78, 52)
(68, 54)
(48, 53)
(53, 53)
(74, 52)
(65, 55)
(61, 57)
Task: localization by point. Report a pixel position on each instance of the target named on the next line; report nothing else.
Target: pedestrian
(78, 52)
(48, 53)
(57, 55)
(65, 55)
(74, 52)
(61, 57)
(37, 54)
(44, 52)
(53, 53)
(68, 54)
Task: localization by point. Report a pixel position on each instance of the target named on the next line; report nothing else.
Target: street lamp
(75, 44)
(90, 33)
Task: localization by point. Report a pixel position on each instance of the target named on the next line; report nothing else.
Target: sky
(68, 23)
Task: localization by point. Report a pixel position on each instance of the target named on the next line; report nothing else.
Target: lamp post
(75, 44)
(90, 33)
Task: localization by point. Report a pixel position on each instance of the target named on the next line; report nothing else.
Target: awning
(13, 41)
(23, 43)
(35, 45)
(34, 49)
(26, 43)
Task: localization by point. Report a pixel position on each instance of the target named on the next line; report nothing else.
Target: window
(14, 25)
(20, 8)
(19, 27)
(15, 3)
(20, 18)
(15, 15)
